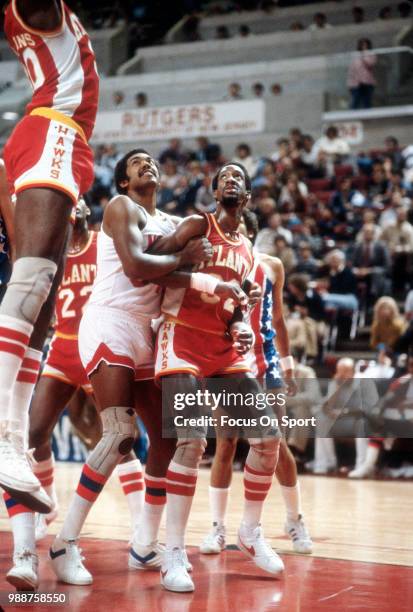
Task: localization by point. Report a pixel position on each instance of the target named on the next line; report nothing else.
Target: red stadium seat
(319, 184)
(324, 196)
(342, 170)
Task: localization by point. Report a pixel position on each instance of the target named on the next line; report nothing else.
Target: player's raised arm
(122, 222)
(45, 15)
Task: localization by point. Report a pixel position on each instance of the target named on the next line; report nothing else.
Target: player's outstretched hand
(233, 291)
(196, 251)
(242, 336)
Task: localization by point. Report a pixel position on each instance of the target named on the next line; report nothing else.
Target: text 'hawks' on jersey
(60, 65)
(113, 288)
(75, 288)
(231, 260)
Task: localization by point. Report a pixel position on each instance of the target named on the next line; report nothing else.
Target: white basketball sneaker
(299, 535)
(146, 557)
(67, 562)
(214, 542)
(24, 573)
(174, 575)
(253, 544)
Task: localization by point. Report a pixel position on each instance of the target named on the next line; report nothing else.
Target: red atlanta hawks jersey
(60, 65)
(231, 260)
(75, 288)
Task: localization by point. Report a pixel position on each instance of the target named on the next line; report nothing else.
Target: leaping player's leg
(42, 221)
(221, 476)
(113, 387)
(286, 474)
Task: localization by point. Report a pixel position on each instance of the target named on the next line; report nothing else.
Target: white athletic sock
(218, 502)
(22, 393)
(44, 470)
(130, 476)
(292, 501)
(22, 524)
(152, 511)
(14, 338)
(90, 485)
(256, 486)
(180, 489)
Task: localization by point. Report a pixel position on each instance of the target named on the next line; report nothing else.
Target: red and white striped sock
(131, 479)
(180, 490)
(22, 524)
(153, 507)
(44, 470)
(14, 339)
(256, 487)
(23, 392)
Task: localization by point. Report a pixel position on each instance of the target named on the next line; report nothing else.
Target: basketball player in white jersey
(115, 335)
(49, 163)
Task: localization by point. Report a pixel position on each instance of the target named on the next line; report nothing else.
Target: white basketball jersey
(113, 289)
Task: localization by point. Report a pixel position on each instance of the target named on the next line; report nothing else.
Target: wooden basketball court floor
(362, 560)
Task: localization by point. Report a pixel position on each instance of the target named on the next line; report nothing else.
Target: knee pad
(28, 288)
(117, 439)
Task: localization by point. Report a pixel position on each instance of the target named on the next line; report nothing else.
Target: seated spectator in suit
(265, 242)
(344, 198)
(309, 312)
(342, 283)
(371, 263)
(388, 325)
(284, 252)
(398, 238)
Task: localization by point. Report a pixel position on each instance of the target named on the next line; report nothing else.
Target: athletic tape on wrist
(287, 363)
(203, 282)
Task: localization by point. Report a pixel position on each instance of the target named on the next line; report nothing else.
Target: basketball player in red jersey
(193, 344)
(49, 163)
(274, 367)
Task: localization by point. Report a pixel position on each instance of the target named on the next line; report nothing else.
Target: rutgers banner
(189, 121)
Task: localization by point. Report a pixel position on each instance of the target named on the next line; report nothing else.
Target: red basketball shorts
(63, 362)
(184, 349)
(49, 152)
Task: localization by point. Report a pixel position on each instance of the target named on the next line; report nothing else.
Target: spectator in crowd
(222, 33)
(307, 154)
(175, 152)
(405, 10)
(244, 31)
(258, 90)
(276, 89)
(360, 77)
(319, 23)
(371, 264)
(118, 99)
(358, 14)
(408, 306)
(341, 283)
(263, 208)
(293, 195)
(265, 241)
(393, 151)
(399, 240)
(305, 403)
(369, 217)
(204, 199)
(243, 155)
(388, 325)
(343, 201)
(335, 148)
(207, 151)
(307, 306)
(234, 92)
(307, 263)
(283, 251)
(141, 100)
(385, 12)
(348, 400)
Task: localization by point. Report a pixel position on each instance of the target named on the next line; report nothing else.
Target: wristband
(287, 363)
(204, 282)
